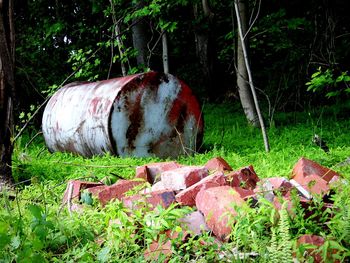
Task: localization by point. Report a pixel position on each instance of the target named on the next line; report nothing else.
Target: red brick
(314, 184)
(305, 167)
(183, 177)
(174, 235)
(314, 240)
(95, 190)
(194, 223)
(164, 198)
(278, 202)
(162, 246)
(151, 172)
(78, 186)
(245, 178)
(142, 173)
(268, 187)
(188, 196)
(244, 193)
(217, 206)
(335, 179)
(305, 204)
(157, 249)
(116, 191)
(317, 242)
(158, 186)
(281, 184)
(77, 208)
(218, 164)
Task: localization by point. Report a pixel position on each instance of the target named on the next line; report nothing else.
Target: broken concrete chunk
(280, 184)
(181, 178)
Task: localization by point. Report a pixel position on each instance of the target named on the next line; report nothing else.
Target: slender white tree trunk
(165, 53)
(250, 78)
(120, 49)
(244, 91)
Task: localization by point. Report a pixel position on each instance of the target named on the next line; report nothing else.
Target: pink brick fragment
(164, 198)
(245, 178)
(188, 196)
(116, 191)
(218, 164)
(151, 172)
(217, 206)
(77, 186)
(194, 223)
(305, 167)
(181, 178)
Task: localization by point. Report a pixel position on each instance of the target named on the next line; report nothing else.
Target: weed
(32, 228)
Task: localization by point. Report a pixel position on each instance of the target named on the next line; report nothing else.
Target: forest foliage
(299, 55)
(306, 43)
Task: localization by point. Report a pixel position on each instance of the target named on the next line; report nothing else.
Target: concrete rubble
(214, 191)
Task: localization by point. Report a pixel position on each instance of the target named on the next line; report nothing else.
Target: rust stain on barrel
(135, 122)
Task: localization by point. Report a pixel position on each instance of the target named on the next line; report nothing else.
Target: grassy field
(34, 227)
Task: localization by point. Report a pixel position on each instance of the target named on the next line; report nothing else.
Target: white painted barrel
(147, 114)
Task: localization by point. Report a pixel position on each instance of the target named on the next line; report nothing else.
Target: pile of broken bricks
(213, 189)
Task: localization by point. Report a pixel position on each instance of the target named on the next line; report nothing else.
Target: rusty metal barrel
(147, 114)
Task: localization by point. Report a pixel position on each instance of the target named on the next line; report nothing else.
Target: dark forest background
(289, 42)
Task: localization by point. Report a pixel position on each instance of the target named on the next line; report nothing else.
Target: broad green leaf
(4, 240)
(35, 210)
(86, 198)
(104, 255)
(15, 242)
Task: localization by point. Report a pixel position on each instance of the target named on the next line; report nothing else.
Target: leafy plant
(328, 81)
(112, 233)
(281, 247)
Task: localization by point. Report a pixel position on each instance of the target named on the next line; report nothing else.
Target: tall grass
(33, 226)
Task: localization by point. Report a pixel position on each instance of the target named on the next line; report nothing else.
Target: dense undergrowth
(35, 228)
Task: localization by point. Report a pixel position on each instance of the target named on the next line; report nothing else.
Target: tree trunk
(203, 47)
(165, 53)
(245, 94)
(139, 36)
(7, 90)
(250, 78)
(120, 49)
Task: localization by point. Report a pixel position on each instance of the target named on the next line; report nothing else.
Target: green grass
(33, 226)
